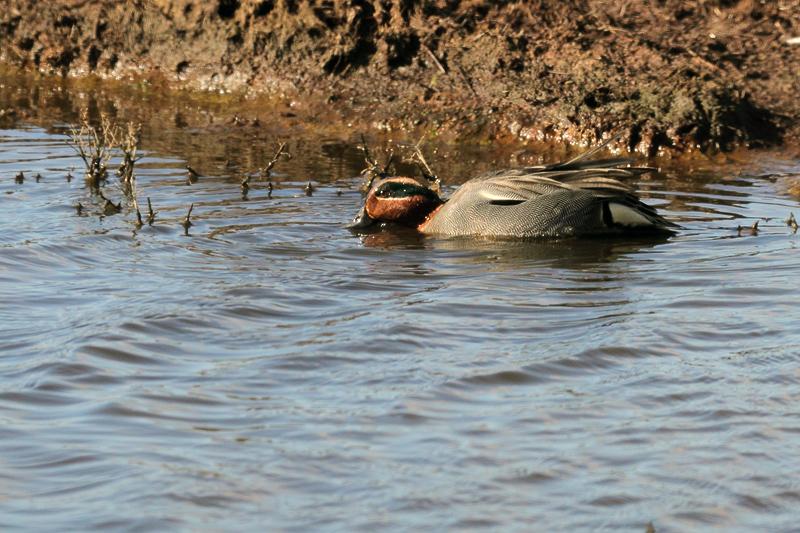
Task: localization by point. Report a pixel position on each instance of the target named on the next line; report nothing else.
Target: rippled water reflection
(272, 369)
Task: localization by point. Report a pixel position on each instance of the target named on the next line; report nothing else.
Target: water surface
(273, 370)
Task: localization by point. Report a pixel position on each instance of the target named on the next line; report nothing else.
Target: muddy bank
(672, 74)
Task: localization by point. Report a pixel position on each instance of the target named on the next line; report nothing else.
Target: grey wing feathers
(526, 183)
(601, 178)
(585, 160)
(582, 196)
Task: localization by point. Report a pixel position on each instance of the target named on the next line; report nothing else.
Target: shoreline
(676, 78)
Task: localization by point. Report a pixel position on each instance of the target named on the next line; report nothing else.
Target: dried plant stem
(94, 146)
(151, 215)
(129, 147)
(191, 175)
(373, 170)
(427, 172)
(187, 221)
(265, 172)
(792, 222)
(139, 222)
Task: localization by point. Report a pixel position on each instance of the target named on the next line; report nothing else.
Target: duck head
(400, 200)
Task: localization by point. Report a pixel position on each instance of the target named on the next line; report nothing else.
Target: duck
(581, 197)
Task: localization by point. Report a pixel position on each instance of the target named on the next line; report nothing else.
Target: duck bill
(362, 220)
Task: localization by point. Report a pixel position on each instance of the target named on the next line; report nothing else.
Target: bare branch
(95, 146)
(425, 168)
(265, 172)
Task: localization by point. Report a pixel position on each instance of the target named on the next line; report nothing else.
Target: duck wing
(526, 183)
(580, 196)
(620, 205)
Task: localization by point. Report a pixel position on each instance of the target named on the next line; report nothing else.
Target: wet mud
(671, 75)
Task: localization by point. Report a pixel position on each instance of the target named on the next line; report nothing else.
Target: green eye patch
(403, 190)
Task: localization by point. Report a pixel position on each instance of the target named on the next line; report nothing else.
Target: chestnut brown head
(399, 200)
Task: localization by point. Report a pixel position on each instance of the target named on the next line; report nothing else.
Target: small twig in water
(187, 222)
(126, 176)
(109, 207)
(133, 194)
(373, 169)
(309, 189)
(388, 164)
(151, 215)
(129, 146)
(192, 175)
(753, 230)
(792, 222)
(265, 172)
(367, 155)
(425, 168)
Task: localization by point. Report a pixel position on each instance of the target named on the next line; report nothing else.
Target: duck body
(528, 203)
(580, 197)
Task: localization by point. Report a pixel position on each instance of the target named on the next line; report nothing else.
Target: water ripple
(272, 364)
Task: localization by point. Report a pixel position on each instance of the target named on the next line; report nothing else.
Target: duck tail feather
(601, 184)
(581, 160)
(633, 213)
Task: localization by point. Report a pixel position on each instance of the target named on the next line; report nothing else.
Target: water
(273, 371)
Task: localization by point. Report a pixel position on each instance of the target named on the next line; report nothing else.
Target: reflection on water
(273, 367)
(569, 254)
